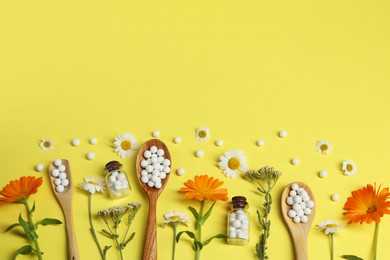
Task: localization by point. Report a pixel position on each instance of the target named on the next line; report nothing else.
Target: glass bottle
(118, 184)
(238, 222)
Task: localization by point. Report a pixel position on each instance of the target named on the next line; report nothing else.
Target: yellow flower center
(324, 147)
(175, 218)
(234, 163)
(126, 145)
(93, 183)
(202, 134)
(349, 167)
(47, 144)
(331, 225)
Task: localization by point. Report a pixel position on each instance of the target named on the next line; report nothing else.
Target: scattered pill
(335, 197)
(282, 133)
(75, 142)
(219, 143)
(177, 140)
(57, 162)
(295, 161)
(199, 153)
(90, 156)
(39, 167)
(180, 171)
(323, 174)
(156, 133)
(260, 143)
(93, 140)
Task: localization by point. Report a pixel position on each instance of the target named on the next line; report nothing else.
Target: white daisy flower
(46, 144)
(349, 167)
(202, 134)
(231, 162)
(93, 185)
(175, 217)
(324, 147)
(125, 144)
(329, 226)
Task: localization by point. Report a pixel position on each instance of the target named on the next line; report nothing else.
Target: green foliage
(24, 250)
(351, 257)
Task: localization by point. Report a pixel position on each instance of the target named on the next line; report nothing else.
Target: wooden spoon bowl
(299, 231)
(150, 246)
(65, 200)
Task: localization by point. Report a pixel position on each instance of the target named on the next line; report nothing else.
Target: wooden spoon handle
(73, 251)
(300, 247)
(150, 247)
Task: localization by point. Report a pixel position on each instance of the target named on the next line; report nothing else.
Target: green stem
(35, 240)
(199, 228)
(375, 240)
(117, 242)
(331, 247)
(174, 240)
(92, 228)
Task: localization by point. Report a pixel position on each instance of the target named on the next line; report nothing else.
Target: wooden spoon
(150, 246)
(65, 200)
(299, 232)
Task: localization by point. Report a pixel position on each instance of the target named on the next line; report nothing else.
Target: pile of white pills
(238, 225)
(117, 181)
(155, 167)
(301, 204)
(59, 175)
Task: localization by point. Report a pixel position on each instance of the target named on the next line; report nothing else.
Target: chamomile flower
(329, 226)
(349, 167)
(175, 217)
(202, 134)
(93, 185)
(324, 147)
(46, 144)
(233, 161)
(125, 144)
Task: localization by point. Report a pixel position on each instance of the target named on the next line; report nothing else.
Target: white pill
(160, 159)
(158, 185)
(290, 201)
(150, 184)
(93, 140)
(62, 175)
(166, 162)
(115, 173)
(219, 143)
(90, 156)
(117, 186)
(144, 179)
(296, 207)
(294, 186)
(233, 215)
(297, 199)
(57, 182)
(156, 173)
(153, 149)
(156, 179)
(304, 219)
(153, 159)
(244, 227)
(149, 168)
(310, 204)
(57, 162)
(156, 133)
(167, 169)
(177, 140)
(75, 142)
(121, 177)
(147, 154)
(303, 205)
(300, 213)
(232, 229)
(125, 185)
(307, 211)
(160, 152)
(180, 171)
(241, 217)
(239, 211)
(293, 193)
(295, 161)
(232, 234)
(199, 153)
(60, 188)
(39, 167)
(240, 234)
(297, 219)
(303, 193)
(306, 199)
(64, 182)
(144, 173)
(260, 143)
(163, 175)
(236, 223)
(156, 166)
(61, 168)
(292, 213)
(282, 133)
(161, 168)
(335, 197)
(144, 163)
(300, 190)
(55, 173)
(323, 174)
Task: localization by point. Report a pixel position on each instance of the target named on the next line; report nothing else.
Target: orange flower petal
(204, 187)
(19, 189)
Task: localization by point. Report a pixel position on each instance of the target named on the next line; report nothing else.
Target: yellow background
(244, 69)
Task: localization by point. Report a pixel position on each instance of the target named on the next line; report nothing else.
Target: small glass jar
(118, 184)
(238, 222)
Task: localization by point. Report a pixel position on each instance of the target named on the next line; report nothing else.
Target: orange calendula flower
(17, 190)
(367, 204)
(205, 187)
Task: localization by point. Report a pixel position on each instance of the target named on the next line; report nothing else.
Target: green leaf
(351, 257)
(49, 221)
(189, 233)
(24, 250)
(205, 243)
(106, 249)
(27, 229)
(123, 245)
(33, 208)
(11, 227)
(203, 219)
(198, 245)
(107, 234)
(194, 212)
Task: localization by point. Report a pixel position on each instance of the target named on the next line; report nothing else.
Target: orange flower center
(324, 147)
(202, 134)
(372, 209)
(234, 163)
(47, 144)
(126, 145)
(349, 167)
